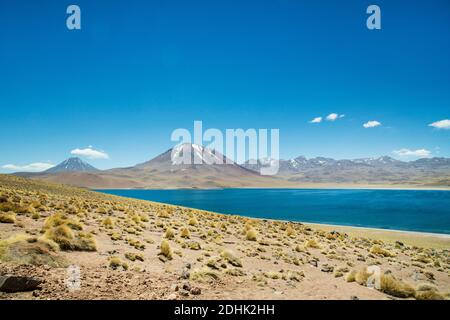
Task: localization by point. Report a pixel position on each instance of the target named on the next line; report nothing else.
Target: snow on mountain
(72, 165)
(302, 164)
(188, 153)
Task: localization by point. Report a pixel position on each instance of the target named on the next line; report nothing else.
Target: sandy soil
(418, 239)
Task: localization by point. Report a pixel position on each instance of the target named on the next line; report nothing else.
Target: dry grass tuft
(235, 272)
(376, 249)
(169, 234)
(273, 275)
(312, 243)
(350, 276)
(108, 223)
(193, 245)
(115, 263)
(231, 258)
(9, 217)
(251, 235)
(290, 232)
(24, 249)
(134, 256)
(362, 276)
(293, 275)
(193, 221)
(428, 292)
(136, 243)
(67, 240)
(204, 275)
(165, 250)
(185, 233)
(395, 287)
(58, 219)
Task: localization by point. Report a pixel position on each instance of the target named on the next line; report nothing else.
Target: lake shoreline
(410, 237)
(374, 209)
(306, 187)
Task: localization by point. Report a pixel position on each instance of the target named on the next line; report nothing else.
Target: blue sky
(137, 70)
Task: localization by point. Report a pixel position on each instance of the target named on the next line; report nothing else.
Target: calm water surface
(411, 210)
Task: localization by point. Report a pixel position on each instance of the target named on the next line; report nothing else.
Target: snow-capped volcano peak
(191, 153)
(72, 165)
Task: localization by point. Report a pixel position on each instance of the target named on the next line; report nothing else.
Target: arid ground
(131, 249)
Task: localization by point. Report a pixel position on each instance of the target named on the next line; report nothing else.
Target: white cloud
(32, 167)
(442, 124)
(421, 153)
(334, 116)
(90, 153)
(371, 124)
(316, 120)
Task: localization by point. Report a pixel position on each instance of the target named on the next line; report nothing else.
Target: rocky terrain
(70, 243)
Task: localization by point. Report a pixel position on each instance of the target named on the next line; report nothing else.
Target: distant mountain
(365, 170)
(195, 153)
(302, 164)
(167, 172)
(431, 163)
(71, 165)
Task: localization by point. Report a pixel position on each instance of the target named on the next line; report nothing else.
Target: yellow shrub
(395, 287)
(165, 250)
(134, 256)
(312, 243)
(204, 274)
(193, 221)
(350, 277)
(251, 234)
(108, 223)
(428, 292)
(362, 276)
(230, 257)
(290, 231)
(185, 233)
(68, 240)
(376, 249)
(169, 234)
(235, 272)
(273, 275)
(24, 249)
(58, 219)
(115, 263)
(116, 236)
(9, 217)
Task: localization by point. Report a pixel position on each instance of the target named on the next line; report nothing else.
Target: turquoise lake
(409, 210)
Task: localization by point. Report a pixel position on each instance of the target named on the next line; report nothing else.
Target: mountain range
(382, 170)
(166, 172)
